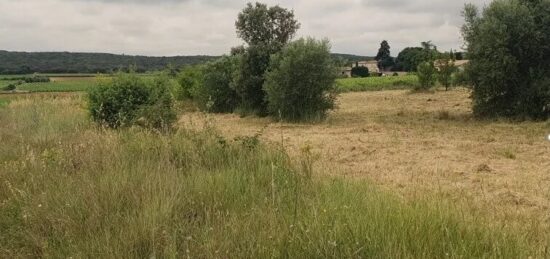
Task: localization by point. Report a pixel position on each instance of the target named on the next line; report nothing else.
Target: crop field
(366, 183)
(376, 83)
(59, 86)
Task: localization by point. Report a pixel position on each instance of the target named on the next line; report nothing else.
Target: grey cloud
(181, 27)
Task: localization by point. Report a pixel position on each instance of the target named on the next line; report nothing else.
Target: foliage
(446, 68)
(300, 82)
(9, 87)
(266, 30)
(249, 78)
(410, 57)
(37, 79)
(384, 56)
(189, 81)
(426, 76)
(273, 26)
(359, 71)
(383, 51)
(376, 83)
(215, 93)
(460, 78)
(132, 193)
(508, 50)
(66, 62)
(128, 99)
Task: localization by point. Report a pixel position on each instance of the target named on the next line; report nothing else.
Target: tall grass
(70, 189)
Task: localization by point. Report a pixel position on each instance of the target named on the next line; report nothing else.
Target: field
(385, 169)
(417, 163)
(82, 82)
(376, 83)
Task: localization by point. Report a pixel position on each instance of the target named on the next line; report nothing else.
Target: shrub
(9, 87)
(358, 71)
(508, 50)
(445, 73)
(189, 80)
(128, 99)
(426, 76)
(37, 79)
(216, 93)
(300, 84)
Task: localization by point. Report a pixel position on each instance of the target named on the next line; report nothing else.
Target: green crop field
(62, 86)
(376, 83)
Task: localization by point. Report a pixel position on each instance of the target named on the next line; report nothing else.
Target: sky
(207, 27)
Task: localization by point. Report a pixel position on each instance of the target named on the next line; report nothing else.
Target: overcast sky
(189, 27)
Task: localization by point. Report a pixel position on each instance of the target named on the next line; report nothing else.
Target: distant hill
(351, 58)
(67, 62)
(71, 62)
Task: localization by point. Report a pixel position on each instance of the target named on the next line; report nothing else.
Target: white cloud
(186, 27)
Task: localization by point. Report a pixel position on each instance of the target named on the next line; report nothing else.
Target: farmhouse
(372, 65)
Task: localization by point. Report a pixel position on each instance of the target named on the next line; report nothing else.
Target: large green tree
(509, 56)
(266, 30)
(300, 83)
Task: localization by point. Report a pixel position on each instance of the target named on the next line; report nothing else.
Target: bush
(216, 93)
(359, 71)
(426, 76)
(300, 84)
(128, 100)
(189, 80)
(508, 50)
(445, 73)
(9, 87)
(37, 79)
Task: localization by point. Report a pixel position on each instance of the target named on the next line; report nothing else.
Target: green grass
(71, 189)
(63, 86)
(376, 83)
(4, 102)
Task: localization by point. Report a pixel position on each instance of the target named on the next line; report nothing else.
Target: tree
(409, 58)
(446, 68)
(300, 84)
(426, 75)
(507, 45)
(359, 71)
(383, 51)
(384, 56)
(216, 94)
(266, 30)
(189, 80)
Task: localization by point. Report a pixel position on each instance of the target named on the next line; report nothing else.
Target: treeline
(67, 62)
(19, 63)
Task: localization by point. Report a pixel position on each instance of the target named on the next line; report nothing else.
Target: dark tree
(508, 50)
(384, 51)
(266, 30)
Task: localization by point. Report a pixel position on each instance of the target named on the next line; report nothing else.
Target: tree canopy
(508, 49)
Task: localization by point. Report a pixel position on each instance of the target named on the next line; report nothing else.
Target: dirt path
(419, 144)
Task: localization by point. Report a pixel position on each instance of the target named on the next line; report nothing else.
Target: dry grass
(423, 144)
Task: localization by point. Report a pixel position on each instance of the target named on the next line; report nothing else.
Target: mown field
(71, 189)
